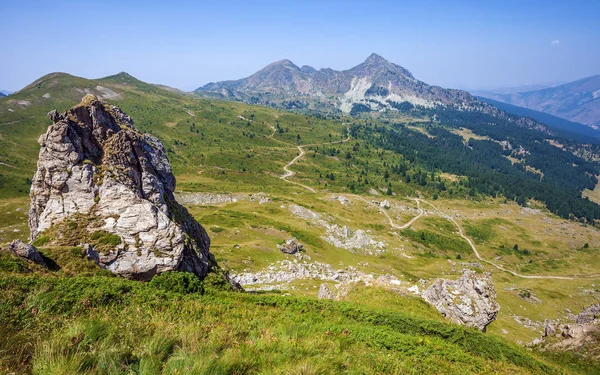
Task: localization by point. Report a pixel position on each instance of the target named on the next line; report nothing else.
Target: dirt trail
(460, 231)
(289, 173)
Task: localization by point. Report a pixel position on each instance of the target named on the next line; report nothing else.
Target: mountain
(577, 101)
(575, 130)
(2, 94)
(376, 84)
(512, 90)
(5, 93)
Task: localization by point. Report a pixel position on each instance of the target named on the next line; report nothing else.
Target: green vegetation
(97, 325)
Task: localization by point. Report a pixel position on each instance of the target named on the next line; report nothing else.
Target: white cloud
(555, 42)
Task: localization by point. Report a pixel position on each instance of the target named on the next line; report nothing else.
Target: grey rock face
(95, 164)
(470, 300)
(27, 251)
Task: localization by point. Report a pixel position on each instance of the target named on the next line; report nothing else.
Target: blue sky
(185, 44)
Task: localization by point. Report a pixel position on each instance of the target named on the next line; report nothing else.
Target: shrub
(178, 282)
(41, 240)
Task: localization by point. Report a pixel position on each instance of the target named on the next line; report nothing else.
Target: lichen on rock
(96, 168)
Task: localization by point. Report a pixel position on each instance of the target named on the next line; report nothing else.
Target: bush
(41, 240)
(216, 282)
(178, 282)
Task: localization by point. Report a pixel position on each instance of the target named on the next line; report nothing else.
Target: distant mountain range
(580, 132)
(577, 101)
(5, 92)
(376, 84)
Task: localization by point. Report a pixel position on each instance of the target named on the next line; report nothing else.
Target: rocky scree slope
(102, 184)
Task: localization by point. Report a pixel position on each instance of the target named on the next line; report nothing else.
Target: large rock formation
(469, 300)
(99, 176)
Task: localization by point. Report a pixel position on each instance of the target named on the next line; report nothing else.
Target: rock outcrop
(469, 300)
(27, 251)
(325, 292)
(291, 246)
(99, 174)
(582, 334)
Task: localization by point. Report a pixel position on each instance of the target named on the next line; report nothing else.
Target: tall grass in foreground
(105, 325)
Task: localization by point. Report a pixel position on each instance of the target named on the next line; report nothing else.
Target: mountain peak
(375, 58)
(285, 63)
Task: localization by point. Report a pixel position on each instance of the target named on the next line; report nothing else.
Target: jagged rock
(470, 300)
(96, 169)
(325, 292)
(27, 251)
(290, 246)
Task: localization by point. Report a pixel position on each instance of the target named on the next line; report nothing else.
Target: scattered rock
(341, 236)
(303, 213)
(373, 192)
(414, 290)
(95, 167)
(27, 251)
(589, 315)
(470, 300)
(471, 264)
(290, 246)
(281, 274)
(345, 238)
(342, 199)
(216, 198)
(325, 292)
(385, 204)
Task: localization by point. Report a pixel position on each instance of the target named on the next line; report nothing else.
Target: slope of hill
(580, 132)
(377, 204)
(577, 101)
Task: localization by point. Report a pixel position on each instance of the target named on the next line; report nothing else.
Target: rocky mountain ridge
(577, 101)
(376, 83)
(103, 185)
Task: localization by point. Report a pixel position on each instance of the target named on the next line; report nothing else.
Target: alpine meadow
(348, 218)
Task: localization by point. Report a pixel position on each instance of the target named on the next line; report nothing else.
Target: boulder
(469, 300)
(97, 171)
(27, 251)
(290, 246)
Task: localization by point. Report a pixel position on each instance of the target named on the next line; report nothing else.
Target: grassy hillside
(104, 325)
(61, 321)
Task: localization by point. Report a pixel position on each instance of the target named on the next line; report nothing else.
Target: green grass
(98, 325)
(212, 150)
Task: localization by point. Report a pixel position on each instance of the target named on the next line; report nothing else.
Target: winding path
(460, 231)
(289, 173)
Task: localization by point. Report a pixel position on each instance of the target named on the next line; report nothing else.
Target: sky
(186, 44)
